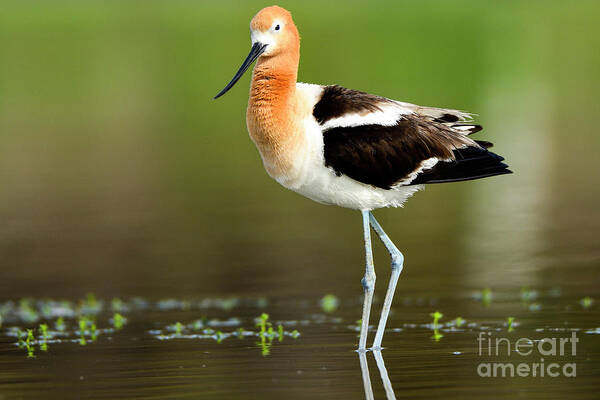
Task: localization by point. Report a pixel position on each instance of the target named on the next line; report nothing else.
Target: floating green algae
(92, 319)
(329, 303)
(203, 329)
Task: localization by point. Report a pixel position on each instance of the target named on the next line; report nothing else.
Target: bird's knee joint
(368, 282)
(397, 261)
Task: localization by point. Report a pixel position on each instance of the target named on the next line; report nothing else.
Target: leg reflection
(364, 367)
(387, 384)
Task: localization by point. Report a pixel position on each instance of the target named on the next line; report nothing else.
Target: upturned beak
(256, 50)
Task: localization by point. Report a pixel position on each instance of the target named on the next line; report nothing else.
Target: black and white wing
(387, 144)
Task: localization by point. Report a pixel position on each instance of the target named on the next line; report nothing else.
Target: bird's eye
(277, 27)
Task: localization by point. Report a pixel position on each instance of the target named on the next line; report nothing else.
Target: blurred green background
(120, 175)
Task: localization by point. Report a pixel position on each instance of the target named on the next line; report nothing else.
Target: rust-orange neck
(274, 114)
(272, 98)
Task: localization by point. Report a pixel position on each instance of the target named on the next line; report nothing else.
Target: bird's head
(274, 28)
(274, 36)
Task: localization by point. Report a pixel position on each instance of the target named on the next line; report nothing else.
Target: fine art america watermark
(552, 352)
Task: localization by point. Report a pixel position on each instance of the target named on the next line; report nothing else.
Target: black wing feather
(469, 163)
(383, 156)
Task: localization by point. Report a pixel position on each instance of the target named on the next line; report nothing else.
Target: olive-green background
(120, 175)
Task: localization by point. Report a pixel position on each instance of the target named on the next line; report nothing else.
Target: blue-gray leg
(397, 263)
(368, 282)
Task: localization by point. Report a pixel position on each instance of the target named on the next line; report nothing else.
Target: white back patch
(389, 115)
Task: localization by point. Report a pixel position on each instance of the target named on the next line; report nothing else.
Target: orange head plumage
(275, 43)
(274, 27)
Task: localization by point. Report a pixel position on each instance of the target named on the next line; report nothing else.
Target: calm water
(320, 363)
(121, 178)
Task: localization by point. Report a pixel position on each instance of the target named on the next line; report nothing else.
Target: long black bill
(256, 50)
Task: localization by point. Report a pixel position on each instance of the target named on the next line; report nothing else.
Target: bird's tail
(473, 162)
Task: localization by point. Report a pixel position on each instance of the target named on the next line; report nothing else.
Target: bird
(349, 148)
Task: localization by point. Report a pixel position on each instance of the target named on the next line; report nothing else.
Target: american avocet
(349, 148)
